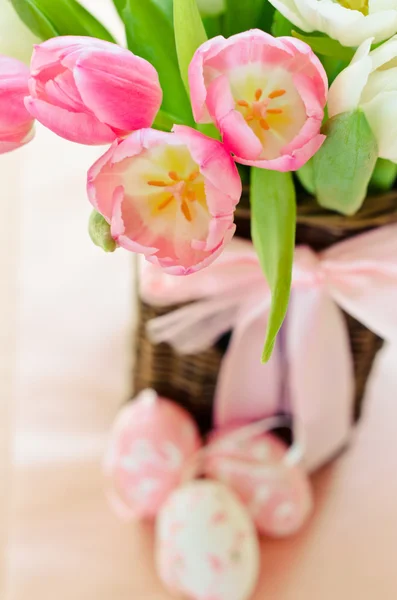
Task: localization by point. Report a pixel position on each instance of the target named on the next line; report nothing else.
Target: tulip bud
(16, 40)
(99, 230)
(91, 91)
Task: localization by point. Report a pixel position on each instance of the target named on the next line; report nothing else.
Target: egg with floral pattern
(278, 495)
(206, 544)
(151, 445)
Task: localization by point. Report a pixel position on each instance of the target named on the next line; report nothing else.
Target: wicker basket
(191, 380)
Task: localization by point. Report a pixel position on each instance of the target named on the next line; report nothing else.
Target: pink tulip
(170, 196)
(266, 95)
(90, 91)
(16, 124)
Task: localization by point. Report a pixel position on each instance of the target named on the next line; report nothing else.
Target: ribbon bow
(310, 374)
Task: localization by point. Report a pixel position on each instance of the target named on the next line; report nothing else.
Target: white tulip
(211, 8)
(350, 22)
(370, 83)
(15, 38)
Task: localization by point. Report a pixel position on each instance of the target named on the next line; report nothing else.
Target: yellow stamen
(274, 111)
(276, 94)
(264, 124)
(157, 183)
(193, 175)
(242, 103)
(258, 94)
(174, 176)
(186, 210)
(165, 203)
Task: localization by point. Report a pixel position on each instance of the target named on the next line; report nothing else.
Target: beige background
(67, 308)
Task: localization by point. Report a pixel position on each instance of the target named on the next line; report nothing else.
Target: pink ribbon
(310, 374)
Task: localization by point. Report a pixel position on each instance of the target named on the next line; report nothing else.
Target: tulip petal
(100, 187)
(55, 50)
(13, 113)
(349, 27)
(317, 72)
(16, 141)
(76, 127)
(381, 114)
(384, 53)
(197, 83)
(288, 162)
(61, 91)
(217, 167)
(239, 138)
(16, 124)
(380, 26)
(314, 110)
(345, 92)
(379, 82)
(328, 16)
(131, 233)
(290, 11)
(121, 89)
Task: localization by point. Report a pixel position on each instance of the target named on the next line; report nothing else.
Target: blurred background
(66, 333)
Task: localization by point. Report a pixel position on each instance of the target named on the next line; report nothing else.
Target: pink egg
(151, 445)
(278, 496)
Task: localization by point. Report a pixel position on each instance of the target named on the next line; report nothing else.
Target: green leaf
(267, 16)
(273, 223)
(34, 19)
(281, 26)
(47, 19)
(213, 26)
(167, 7)
(242, 15)
(333, 66)
(384, 175)
(164, 5)
(165, 122)
(306, 177)
(326, 46)
(151, 35)
(344, 164)
(189, 34)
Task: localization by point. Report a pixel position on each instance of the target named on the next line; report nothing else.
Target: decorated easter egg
(277, 495)
(150, 447)
(206, 544)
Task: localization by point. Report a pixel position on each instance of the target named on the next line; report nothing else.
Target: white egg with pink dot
(151, 445)
(206, 544)
(276, 493)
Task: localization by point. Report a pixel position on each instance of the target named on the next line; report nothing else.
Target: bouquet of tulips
(210, 93)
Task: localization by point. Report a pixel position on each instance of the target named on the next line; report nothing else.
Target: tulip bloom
(170, 196)
(348, 21)
(370, 83)
(90, 91)
(266, 95)
(16, 124)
